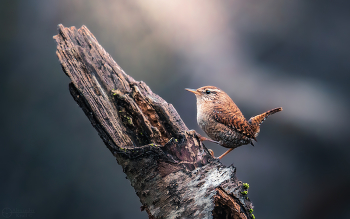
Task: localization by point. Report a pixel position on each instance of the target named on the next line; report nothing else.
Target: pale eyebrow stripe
(216, 90)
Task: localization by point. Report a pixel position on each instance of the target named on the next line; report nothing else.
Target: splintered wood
(171, 171)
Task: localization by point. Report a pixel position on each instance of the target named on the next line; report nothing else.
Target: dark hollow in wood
(171, 171)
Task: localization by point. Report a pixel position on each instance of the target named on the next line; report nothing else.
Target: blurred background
(263, 53)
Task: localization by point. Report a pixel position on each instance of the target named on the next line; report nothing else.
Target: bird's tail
(256, 121)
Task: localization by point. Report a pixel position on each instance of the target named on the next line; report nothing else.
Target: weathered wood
(171, 171)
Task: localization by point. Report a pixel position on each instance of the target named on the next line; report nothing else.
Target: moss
(244, 192)
(114, 93)
(128, 120)
(246, 185)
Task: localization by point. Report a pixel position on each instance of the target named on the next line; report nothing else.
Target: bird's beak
(192, 90)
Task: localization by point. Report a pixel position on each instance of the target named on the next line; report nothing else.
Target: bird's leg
(201, 138)
(228, 151)
(208, 139)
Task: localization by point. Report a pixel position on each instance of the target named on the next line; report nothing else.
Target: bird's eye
(207, 91)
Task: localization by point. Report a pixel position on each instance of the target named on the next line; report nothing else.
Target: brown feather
(220, 118)
(233, 118)
(256, 121)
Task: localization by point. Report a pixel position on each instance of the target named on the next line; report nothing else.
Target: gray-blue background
(264, 54)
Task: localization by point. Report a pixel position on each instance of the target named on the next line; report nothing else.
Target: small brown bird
(220, 118)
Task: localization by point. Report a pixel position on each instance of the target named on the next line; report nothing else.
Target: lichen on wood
(171, 171)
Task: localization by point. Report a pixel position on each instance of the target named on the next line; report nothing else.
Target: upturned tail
(256, 121)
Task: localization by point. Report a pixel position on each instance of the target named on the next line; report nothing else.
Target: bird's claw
(211, 152)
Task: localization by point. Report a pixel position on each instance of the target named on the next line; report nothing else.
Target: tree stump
(171, 171)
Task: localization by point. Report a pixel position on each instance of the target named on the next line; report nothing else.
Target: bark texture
(171, 171)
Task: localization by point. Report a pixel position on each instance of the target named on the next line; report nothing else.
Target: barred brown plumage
(222, 120)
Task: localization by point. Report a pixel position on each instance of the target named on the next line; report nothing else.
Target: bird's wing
(233, 119)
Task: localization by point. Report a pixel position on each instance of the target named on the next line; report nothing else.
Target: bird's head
(209, 94)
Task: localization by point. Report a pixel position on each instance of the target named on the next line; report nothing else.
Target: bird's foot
(211, 152)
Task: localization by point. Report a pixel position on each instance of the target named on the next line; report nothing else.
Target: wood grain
(171, 171)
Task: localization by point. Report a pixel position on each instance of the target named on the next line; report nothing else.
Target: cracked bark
(171, 171)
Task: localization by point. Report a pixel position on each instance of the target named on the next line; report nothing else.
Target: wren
(220, 118)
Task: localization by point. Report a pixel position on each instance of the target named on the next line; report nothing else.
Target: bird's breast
(207, 123)
(202, 118)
